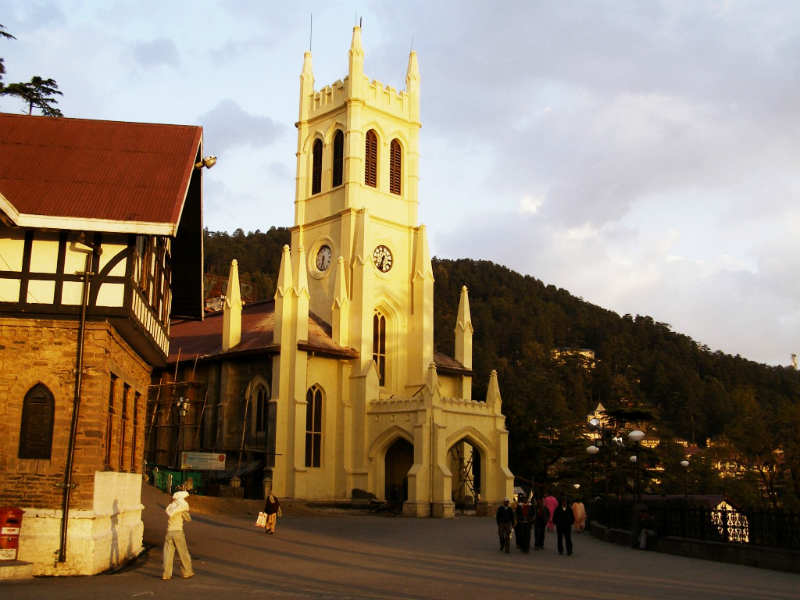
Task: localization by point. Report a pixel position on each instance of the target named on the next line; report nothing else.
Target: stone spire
(464, 331)
(356, 64)
(232, 310)
(306, 85)
(341, 307)
(412, 85)
(283, 295)
(493, 399)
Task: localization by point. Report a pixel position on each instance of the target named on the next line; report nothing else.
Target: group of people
(175, 540)
(544, 514)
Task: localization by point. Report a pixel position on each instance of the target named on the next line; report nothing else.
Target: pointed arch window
(371, 159)
(379, 345)
(36, 430)
(395, 167)
(338, 157)
(261, 409)
(316, 172)
(313, 426)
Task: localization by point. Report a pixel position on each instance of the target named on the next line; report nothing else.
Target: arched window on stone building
(36, 429)
(316, 172)
(379, 345)
(338, 157)
(395, 167)
(314, 426)
(371, 159)
(260, 408)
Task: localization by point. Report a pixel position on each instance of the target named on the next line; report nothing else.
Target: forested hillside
(691, 392)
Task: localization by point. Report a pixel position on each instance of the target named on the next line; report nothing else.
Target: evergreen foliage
(38, 93)
(643, 372)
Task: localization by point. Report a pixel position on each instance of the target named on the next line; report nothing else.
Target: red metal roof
(88, 169)
(203, 339)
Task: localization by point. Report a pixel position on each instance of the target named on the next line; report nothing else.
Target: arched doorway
(465, 465)
(399, 458)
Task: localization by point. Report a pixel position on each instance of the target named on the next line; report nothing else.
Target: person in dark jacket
(523, 527)
(272, 507)
(505, 521)
(563, 520)
(540, 518)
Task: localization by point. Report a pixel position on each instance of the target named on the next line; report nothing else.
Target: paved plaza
(367, 556)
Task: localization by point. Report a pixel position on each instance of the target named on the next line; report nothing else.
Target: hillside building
(100, 242)
(333, 390)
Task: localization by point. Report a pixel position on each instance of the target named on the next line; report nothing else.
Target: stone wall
(34, 351)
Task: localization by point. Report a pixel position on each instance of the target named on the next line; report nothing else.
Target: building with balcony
(100, 245)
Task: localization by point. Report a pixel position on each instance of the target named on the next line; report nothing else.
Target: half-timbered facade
(100, 245)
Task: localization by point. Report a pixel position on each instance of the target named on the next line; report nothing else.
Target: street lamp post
(636, 436)
(685, 465)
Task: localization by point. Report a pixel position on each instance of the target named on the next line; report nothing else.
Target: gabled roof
(203, 339)
(94, 175)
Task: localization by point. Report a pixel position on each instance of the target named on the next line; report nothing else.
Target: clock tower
(356, 232)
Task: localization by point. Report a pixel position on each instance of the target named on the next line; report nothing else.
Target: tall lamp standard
(592, 451)
(685, 465)
(636, 436)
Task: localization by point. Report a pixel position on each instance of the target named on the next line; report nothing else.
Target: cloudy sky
(643, 155)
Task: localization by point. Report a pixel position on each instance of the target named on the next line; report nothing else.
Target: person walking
(563, 519)
(540, 518)
(272, 507)
(551, 503)
(523, 527)
(579, 512)
(175, 540)
(505, 521)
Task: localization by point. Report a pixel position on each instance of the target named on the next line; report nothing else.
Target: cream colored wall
(361, 420)
(97, 539)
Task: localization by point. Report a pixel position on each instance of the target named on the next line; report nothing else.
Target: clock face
(382, 257)
(323, 260)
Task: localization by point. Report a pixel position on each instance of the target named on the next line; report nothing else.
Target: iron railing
(775, 529)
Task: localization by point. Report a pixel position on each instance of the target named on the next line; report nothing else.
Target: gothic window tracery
(379, 345)
(313, 426)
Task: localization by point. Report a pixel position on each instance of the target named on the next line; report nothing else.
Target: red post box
(10, 526)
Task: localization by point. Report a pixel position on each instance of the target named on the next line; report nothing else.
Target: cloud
(228, 125)
(159, 52)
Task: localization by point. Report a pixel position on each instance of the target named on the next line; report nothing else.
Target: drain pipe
(76, 403)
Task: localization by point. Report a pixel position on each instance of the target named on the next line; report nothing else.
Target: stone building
(100, 241)
(334, 387)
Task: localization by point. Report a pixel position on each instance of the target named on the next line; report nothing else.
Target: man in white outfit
(175, 540)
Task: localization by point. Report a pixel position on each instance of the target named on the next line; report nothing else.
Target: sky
(641, 155)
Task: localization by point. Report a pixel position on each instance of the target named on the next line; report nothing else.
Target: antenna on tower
(360, 19)
(311, 31)
(411, 49)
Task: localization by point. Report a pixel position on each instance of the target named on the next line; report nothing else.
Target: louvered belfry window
(371, 159)
(338, 157)
(36, 431)
(395, 167)
(316, 174)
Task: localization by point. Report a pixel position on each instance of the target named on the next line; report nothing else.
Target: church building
(333, 387)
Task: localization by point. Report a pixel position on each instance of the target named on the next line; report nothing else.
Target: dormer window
(395, 167)
(316, 172)
(371, 159)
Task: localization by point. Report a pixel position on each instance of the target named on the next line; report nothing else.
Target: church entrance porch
(465, 465)
(399, 459)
